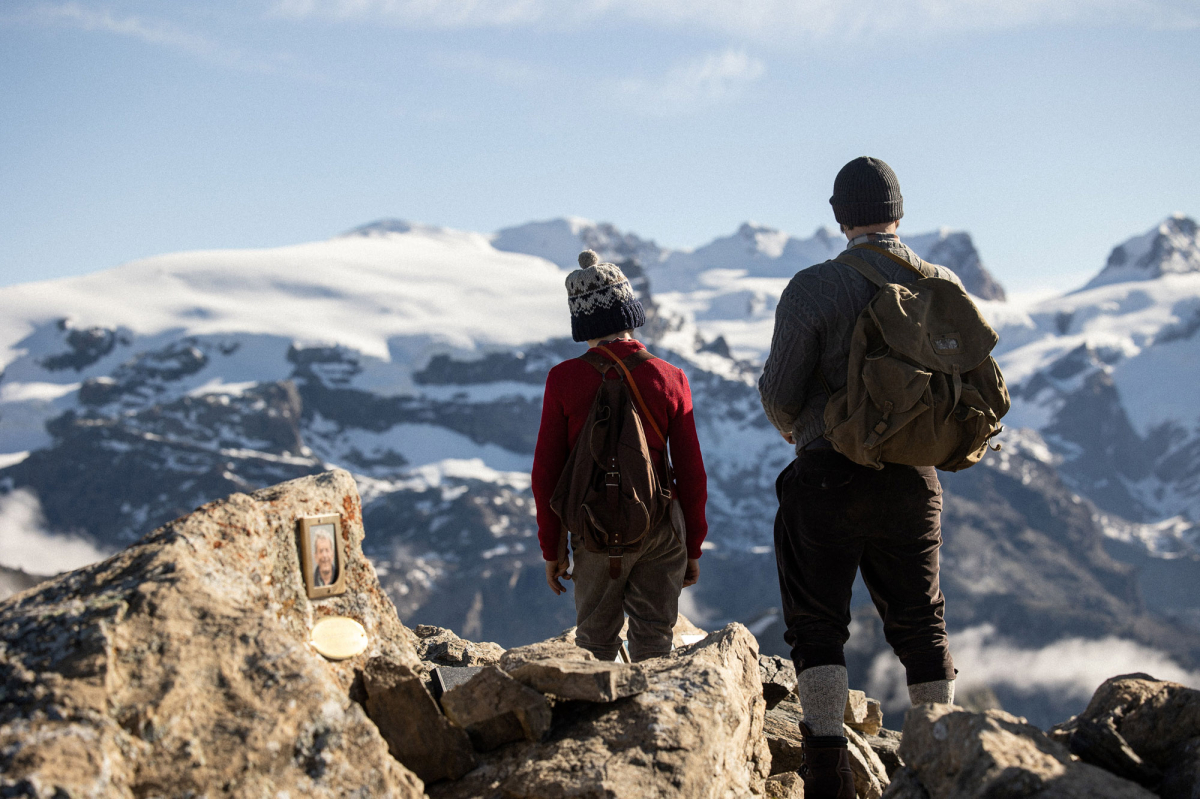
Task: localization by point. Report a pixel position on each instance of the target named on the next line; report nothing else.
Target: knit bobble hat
(601, 300)
(866, 192)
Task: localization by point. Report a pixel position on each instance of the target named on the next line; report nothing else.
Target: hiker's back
(824, 302)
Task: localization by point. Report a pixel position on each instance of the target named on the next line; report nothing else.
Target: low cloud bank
(26, 544)
(1070, 669)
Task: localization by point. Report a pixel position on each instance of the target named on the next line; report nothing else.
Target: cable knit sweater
(814, 322)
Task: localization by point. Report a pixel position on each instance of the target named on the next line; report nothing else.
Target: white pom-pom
(588, 258)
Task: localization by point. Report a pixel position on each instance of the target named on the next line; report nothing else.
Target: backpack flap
(938, 327)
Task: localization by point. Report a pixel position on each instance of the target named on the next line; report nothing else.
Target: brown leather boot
(825, 766)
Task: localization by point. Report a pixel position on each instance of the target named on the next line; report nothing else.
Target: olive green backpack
(922, 387)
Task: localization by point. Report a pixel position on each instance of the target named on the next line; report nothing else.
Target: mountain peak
(1171, 247)
(762, 239)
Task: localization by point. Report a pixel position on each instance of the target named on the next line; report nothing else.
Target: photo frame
(322, 555)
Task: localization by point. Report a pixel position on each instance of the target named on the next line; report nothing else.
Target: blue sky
(1049, 129)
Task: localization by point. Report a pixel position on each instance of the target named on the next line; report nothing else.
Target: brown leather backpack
(610, 492)
(922, 387)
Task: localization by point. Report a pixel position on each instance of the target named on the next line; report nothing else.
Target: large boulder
(695, 732)
(1145, 729)
(182, 666)
(959, 754)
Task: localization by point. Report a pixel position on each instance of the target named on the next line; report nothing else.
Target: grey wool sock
(823, 693)
(939, 692)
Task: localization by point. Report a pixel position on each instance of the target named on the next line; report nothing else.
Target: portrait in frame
(322, 555)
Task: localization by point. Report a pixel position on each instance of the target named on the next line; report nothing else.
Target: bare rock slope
(181, 665)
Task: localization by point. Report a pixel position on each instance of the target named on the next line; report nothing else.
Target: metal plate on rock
(338, 637)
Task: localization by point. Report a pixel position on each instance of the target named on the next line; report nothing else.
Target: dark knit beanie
(866, 192)
(601, 300)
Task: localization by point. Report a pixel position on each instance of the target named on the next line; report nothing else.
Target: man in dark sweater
(605, 311)
(836, 516)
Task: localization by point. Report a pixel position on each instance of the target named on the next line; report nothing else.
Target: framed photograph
(322, 555)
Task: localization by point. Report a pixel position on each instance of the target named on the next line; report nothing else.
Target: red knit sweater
(570, 389)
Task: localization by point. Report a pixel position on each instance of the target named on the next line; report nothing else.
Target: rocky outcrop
(182, 665)
(696, 731)
(1143, 729)
(956, 754)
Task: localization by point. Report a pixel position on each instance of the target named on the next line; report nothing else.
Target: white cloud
(1071, 667)
(166, 35)
(421, 13)
(697, 83)
(764, 20)
(26, 544)
(154, 32)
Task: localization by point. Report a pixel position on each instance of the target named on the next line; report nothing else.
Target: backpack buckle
(612, 479)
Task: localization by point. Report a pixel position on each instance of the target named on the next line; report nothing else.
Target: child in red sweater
(605, 311)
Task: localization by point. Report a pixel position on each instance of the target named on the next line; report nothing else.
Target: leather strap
(863, 268)
(889, 254)
(637, 395)
(641, 356)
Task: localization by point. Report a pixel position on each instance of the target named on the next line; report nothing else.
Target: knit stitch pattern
(814, 323)
(601, 300)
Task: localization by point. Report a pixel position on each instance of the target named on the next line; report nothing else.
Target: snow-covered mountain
(415, 357)
(1109, 375)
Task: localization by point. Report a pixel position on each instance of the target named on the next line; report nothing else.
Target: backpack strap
(919, 268)
(601, 364)
(637, 395)
(863, 268)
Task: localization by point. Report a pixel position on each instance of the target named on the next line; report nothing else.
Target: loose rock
(495, 709)
(417, 733)
(863, 714)
(442, 647)
(588, 681)
(886, 744)
(781, 725)
(785, 786)
(870, 777)
(695, 733)
(957, 753)
(778, 678)
(554, 649)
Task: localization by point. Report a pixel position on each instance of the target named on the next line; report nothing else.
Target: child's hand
(554, 570)
(692, 574)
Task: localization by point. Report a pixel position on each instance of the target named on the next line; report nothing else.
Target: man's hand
(788, 437)
(554, 570)
(692, 574)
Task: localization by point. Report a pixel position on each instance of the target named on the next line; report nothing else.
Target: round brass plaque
(338, 638)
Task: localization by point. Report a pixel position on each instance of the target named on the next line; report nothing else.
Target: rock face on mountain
(1171, 248)
(181, 665)
(955, 250)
